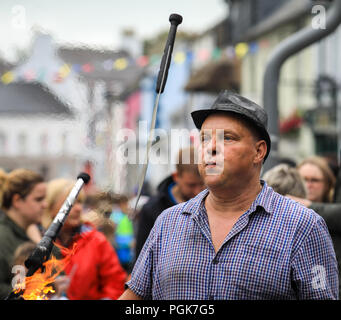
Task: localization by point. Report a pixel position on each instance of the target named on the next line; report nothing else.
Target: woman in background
(319, 179)
(22, 198)
(94, 268)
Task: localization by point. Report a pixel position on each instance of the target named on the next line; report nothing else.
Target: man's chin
(212, 181)
(214, 171)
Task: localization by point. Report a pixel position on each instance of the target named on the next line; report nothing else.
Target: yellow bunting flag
(7, 77)
(64, 70)
(241, 49)
(120, 63)
(180, 57)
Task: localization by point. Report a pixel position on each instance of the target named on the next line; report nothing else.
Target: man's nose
(212, 149)
(216, 145)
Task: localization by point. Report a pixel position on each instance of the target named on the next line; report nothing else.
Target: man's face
(229, 152)
(189, 183)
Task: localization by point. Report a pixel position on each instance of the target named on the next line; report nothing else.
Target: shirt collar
(263, 199)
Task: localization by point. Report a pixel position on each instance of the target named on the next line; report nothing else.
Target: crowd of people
(267, 229)
(29, 204)
(107, 233)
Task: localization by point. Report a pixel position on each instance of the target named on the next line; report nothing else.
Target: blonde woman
(95, 268)
(22, 194)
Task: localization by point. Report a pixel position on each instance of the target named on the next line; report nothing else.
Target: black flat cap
(232, 102)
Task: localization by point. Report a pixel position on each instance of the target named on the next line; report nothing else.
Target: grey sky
(99, 22)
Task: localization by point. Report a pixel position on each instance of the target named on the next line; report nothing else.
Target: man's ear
(175, 176)
(261, 149)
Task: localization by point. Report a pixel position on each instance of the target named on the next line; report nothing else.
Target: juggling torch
(43, 249)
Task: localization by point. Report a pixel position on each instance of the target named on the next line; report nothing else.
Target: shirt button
(215, 261)
(211, 297)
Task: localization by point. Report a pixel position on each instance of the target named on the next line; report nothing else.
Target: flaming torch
(39, 259)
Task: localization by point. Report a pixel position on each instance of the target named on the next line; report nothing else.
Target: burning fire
(39, 285)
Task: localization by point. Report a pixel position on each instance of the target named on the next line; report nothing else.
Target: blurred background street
(72, 74)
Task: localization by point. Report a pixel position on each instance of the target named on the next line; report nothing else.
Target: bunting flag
(179, 57)
(264, 43)
(64, 70)
(107, 64)
(230, 52)
(120, 64)
(143, 61)
(77, 68)
(41, 75)
(253, 47)
(240, 50)
(29, 75)
(190, 57)
(87, 68)
(203, 55)
(155, 58)
(216, 54)
(7, 77)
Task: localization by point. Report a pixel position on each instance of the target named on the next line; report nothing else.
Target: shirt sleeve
(141, 277)
(314, 266)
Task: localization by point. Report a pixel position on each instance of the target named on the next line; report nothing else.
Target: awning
(216, 76)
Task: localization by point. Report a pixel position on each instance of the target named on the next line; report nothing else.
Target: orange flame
(39, 285)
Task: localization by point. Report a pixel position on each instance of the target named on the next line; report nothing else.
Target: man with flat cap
(237, 239)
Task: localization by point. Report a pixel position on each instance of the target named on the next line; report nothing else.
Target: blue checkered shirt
(278, 249)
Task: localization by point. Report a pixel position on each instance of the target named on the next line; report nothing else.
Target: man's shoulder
(175, 210)
(283, 204)
(182, 211)
(294, 213)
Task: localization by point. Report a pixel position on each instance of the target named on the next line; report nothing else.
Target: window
(22, 143)
(3, 144)
(64, 142)
(44, 142)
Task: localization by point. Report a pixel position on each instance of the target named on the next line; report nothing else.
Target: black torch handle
(43, 250)
(175, 20)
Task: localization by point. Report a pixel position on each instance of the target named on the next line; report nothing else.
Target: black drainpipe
(288, 47)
